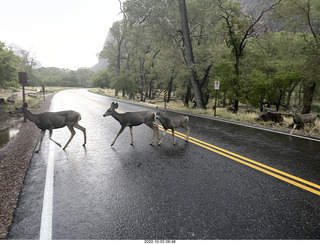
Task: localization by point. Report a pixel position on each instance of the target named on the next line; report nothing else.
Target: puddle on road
(7, 134)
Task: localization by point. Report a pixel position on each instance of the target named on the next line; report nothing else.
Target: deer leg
(50, 133)
(164, 132)
(311, 128)
(174, 139)
(42, 133)
(131, 135)
(294, 126)
(188, 133)
(155, 133)
(79, 127)
(154, 127)
(120, 131)
(72, 135)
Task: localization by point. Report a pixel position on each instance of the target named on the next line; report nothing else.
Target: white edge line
(46, 216)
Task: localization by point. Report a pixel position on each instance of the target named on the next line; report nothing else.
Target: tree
(239, 28)
(125, 83)
(8, 67)
(304, 16)
(188, 54)
(101, 79)
(274, 66)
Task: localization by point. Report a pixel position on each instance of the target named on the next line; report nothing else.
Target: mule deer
(172, 123)
(54, 120)
(302, 119)
(132, 119)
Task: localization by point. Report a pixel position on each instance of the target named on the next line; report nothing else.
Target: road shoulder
(14, 161)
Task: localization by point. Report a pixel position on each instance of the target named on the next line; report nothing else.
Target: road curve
(228, 182)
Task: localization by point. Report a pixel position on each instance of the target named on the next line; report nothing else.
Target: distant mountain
(103, 63)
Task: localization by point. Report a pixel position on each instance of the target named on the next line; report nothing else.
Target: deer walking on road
(172, 123)
(132, 119)
(54, 120)
(301, 119)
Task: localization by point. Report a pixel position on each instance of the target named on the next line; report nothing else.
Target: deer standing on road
(302, 119)
(54, 120)
(172, 123)
(132, 119)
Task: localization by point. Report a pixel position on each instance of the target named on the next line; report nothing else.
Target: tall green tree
(274, 62)
(188, 54)
(101, 79)
(8, 67)
(304, 16)
(239, 28)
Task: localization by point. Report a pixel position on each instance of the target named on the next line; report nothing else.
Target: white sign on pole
(216, 85)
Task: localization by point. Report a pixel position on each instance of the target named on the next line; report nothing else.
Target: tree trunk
(307, 97)
(187, 98)
(189, 54)
(236, 83)
(170, 89)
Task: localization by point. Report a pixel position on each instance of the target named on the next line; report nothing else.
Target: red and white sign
(216, 85)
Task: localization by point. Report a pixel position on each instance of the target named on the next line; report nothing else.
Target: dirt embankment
(14, 162)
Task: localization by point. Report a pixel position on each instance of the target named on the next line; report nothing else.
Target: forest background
(264, 53)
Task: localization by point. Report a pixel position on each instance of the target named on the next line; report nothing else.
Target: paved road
(228, 182)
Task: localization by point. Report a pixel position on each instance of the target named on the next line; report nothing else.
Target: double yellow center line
(291, 179)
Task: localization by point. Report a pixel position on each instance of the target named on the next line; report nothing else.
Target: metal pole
(44, 93)
(215, 104)
(23, 101)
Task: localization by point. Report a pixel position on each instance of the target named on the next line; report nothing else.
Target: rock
(270, 115)
(11, 99)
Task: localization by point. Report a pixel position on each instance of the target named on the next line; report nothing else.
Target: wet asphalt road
(187, 191)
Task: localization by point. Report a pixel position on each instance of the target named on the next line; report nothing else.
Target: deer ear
(25, 105)
(116, 105)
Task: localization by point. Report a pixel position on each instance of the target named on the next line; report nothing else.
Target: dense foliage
(264, 53)
(266, 57)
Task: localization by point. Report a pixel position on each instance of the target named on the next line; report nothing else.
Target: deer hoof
(37, 151)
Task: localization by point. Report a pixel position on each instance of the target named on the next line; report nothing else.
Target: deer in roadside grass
(54, 120)
(132, 119)
(301, 119)
(172, 123)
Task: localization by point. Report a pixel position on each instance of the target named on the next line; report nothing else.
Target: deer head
(160, 112)
(20, 109)
(111, 110)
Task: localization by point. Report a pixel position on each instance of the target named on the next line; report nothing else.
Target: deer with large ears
(132, 119)
(301, 119)
(172, 123)
(54, 120)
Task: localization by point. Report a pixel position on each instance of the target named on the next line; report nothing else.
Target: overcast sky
(61, 33)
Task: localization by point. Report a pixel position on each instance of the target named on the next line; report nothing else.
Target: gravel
(14, 161)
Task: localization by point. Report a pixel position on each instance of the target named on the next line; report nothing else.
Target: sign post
(216, 87)
(165, 96)
(23, 80)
